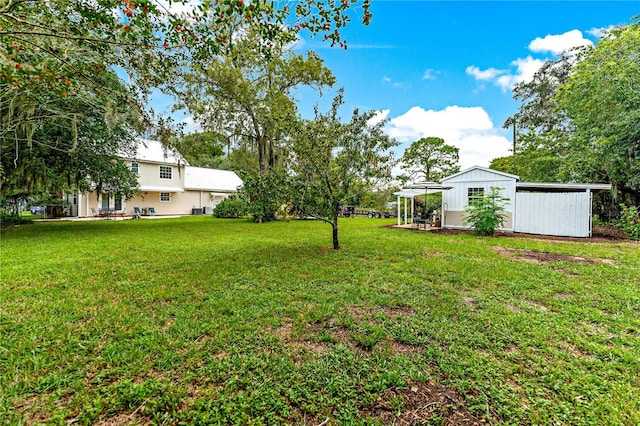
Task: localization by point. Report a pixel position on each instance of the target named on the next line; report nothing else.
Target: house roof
(485, 169)
(213, 180)
(154, 152)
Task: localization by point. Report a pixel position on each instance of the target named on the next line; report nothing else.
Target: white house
(167, 183)
(559, 209)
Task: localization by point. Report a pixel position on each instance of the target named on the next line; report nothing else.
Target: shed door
(565, 214)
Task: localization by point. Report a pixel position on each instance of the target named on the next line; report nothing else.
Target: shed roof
(213, 180)
(485, 169)
(556, 187)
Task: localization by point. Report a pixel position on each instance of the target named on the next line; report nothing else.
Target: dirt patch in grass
(564, 296)
(29, 408)
(421, 403)
(538, 306)
(319, 337)
(399, 311)
(470, 302)
(121, 419)
(573, 350)
(402, 348)
(512, 308)
(533, 256)
(599, 235)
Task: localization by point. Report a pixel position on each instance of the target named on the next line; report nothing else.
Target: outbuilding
(559, 209)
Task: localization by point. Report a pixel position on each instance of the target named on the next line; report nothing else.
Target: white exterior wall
(149, 175)
(566, 214)
(455, 200)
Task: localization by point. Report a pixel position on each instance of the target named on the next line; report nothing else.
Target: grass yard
(205, 321)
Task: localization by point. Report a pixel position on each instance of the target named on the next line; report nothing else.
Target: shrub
(231, 207)
(486, 214)
(630, 222)
(265, 193)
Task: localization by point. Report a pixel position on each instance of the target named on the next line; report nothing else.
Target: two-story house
(167, 183)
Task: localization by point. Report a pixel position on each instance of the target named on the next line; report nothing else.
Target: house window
(118, 202)
(165, 196)
(165, 172)
(135, 167)
(474, 194)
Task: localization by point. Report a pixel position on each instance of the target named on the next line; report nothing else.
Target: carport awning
(161, 188)
(435, 186)
(556, 187)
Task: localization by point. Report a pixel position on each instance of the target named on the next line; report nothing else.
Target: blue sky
(446, 68)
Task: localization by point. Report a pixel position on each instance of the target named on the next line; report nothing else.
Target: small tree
(333, 160)
(487, 213)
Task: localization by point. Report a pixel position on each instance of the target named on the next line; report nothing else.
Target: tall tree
(431, 159)
(602, 99)
(250, 97)
(333, 160)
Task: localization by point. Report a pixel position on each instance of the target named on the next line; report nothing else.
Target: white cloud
(559, 43)
(386, 79)
(190, 125)
(525, 70)
(486, 75)
(468, 128)
(379, 116)
(600, 32)
(430, 74)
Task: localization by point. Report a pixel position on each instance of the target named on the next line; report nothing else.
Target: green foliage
(265, 193)
(204, 149)
(630, 221)
(377, 199)
(10, 216)
(431, 158)
(486, 214)
(231, 207)
(334, 162)
(531, 165)
(56, 141)
(603, 102)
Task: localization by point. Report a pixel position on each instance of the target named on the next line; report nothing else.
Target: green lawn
(205, 321)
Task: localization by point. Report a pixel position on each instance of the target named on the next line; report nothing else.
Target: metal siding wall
(562, 214)
(456, 197)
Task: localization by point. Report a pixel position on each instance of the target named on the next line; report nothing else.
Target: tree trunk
(263, 156)
(334, 225)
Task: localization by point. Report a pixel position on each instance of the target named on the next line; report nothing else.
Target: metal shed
(558, 209)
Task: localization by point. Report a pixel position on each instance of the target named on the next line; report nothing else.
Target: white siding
(477, 175)
(455, 199)
(565, 214)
